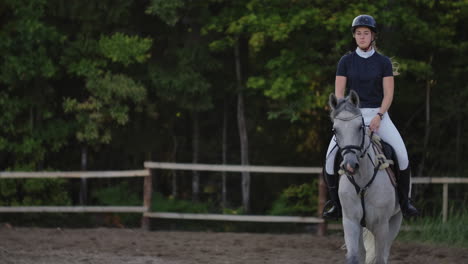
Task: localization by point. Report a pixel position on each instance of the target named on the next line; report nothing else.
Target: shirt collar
(364, 54)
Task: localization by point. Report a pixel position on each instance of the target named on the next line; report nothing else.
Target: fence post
(322, 199)
(445, 202)
(147, 195)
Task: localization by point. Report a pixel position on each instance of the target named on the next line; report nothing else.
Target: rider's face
(363, 36)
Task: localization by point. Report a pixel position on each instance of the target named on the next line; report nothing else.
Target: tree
(99, 57)
(30, 126)
(183, 81)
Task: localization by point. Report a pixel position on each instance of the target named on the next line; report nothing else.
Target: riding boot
(403, 184)
(335, 211)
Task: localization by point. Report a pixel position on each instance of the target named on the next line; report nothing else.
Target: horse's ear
(354, 98)
(332, 101)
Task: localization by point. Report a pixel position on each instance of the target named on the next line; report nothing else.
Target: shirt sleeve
(388, 68)
(342, 70)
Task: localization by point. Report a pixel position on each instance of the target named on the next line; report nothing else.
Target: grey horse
(371, 212)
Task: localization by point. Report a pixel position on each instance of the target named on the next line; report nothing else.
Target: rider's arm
(340, 86)
(388, 87)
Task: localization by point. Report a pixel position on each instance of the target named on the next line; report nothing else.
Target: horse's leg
(394, 229)
(352, 235)
(381, 234)
(362, 248)
(395, 224)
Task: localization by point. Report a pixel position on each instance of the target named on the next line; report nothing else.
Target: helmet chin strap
(369, 47)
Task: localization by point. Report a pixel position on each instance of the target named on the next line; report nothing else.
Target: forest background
(107, 85)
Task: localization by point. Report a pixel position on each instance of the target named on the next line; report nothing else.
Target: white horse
(371, 212)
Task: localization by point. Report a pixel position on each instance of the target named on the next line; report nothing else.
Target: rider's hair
(395, 66)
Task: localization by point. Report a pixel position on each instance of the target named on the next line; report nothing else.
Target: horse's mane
(344, 105)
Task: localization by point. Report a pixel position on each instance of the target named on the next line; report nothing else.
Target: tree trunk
(244, 143)
(84, 183)
(195, 150)
(427, 127)
(458, 162)
(174, 172)
(224, 153)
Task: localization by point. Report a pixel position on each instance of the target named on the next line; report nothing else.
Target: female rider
(370, 74)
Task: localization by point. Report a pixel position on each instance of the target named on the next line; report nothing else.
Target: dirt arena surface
(134, 246)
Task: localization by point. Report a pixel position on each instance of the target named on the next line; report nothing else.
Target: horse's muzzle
(350, 166)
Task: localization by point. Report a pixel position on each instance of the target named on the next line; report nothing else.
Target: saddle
(389, 157)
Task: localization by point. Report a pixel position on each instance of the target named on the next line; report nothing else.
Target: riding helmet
(364, 21)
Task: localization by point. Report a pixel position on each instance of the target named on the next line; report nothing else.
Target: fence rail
(148, 189)
(232, 168)
(73, 209)
(238, 218)
(73, 174)
(443, 180)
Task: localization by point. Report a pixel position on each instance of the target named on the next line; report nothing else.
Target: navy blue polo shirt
(365, 76)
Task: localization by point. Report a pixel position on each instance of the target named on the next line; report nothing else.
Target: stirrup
(334, 213)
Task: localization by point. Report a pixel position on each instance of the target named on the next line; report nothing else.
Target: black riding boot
(403, 184)
(335, 211)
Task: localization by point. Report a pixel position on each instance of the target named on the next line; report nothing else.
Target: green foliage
(167, 10)
(125, 49)
(117, 195)
(112, 88)
(26, 36)
(29, 125)
(288, 67)
(163, 204)
(102, 61)
(185, 83)
(297, 200)
(109, 103)
(434, 231)
(33, 192)
(121, 194)
(234, 211)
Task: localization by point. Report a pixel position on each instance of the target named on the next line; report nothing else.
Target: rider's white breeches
(387, 131)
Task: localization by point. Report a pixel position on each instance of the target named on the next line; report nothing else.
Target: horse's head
(349, 129)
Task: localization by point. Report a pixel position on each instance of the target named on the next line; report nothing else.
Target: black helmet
(364, 21)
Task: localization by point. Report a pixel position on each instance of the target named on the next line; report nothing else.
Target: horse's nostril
(356, 166)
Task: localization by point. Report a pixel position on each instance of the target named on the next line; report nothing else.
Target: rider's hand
(375, 124)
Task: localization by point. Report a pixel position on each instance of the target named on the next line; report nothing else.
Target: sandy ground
(134, 246)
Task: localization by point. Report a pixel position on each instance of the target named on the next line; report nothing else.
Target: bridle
(354, 149)
(360, 191)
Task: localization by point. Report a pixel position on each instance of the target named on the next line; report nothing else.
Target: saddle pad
(377, 146)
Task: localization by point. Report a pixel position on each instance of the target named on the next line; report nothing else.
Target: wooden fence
(244, 218)
(148, 190)
(82, 209)
(275, 169)
(445, 181)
